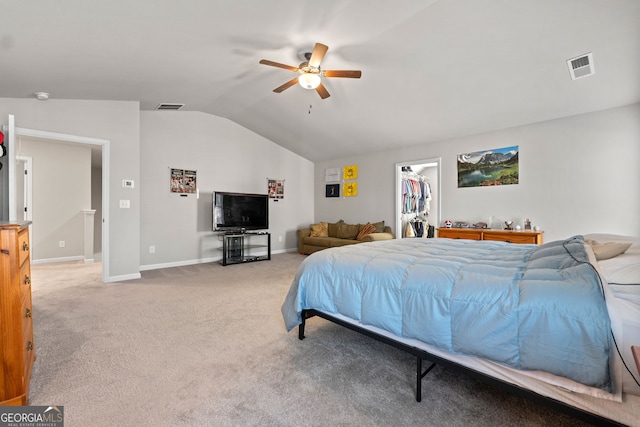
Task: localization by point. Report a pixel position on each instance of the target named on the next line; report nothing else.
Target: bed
(550, 322)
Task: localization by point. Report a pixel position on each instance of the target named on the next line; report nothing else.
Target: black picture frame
(332, 190)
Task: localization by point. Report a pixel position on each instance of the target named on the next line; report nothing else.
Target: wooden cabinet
(460, 233)
(16, 346)
(531, 237)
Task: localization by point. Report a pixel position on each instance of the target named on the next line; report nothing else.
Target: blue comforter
(525, 306)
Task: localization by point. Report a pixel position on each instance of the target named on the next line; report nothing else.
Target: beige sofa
(328, 235)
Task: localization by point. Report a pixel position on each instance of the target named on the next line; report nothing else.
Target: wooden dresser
(531, 237)
(16, 347)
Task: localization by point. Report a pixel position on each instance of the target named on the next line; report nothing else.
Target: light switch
(125, 204)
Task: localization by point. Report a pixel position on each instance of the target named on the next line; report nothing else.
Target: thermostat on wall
(127, 183)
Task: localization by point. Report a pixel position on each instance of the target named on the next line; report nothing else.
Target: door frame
(433, 162)
(60, 137)
(28, 187)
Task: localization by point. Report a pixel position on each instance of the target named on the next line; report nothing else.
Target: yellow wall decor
(350, 189)
(350, 172)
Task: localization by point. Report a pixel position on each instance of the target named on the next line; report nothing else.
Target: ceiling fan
(310, 74)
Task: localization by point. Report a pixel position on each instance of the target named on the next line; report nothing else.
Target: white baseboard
(199, 261)
(54, 260)
(122, 278)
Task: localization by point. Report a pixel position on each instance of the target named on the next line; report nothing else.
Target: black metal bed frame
(433, 359)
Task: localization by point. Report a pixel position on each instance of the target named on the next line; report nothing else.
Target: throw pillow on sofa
(333, 228)
(368, 228)
(348, 231)
(319, 230)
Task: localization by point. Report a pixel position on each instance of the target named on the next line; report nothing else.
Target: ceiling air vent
(167, 106)
(581, 66)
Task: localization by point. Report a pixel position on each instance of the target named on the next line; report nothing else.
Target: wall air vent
(168, 106)
(581, 66)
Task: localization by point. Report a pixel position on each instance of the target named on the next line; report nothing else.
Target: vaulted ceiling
(431, 70)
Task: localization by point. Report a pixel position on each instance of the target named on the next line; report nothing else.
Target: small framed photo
(332, 190)
(350, 172)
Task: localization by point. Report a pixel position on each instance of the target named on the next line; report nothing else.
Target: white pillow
(622, 269)
(607, 250)
(621, 273)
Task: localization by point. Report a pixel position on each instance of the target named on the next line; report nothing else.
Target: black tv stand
(237, 247)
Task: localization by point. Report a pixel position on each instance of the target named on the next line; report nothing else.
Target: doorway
(98, 146)
(24, 181)
(427, 170)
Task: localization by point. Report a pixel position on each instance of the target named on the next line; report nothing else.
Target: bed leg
(301, 326)
(419, 380)
(419, 376)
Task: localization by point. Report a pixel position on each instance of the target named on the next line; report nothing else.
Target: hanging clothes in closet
(416, 194)
(416, 197)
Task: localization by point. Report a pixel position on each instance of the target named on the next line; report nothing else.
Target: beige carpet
(205, 345)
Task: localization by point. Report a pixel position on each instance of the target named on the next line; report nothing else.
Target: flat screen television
(240, 211)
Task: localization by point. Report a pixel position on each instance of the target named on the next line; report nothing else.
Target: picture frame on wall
(350, 189)
(499, 166)
(332, 174)
(183, 181)
(275, 188)
(350, 172)
(332, 190)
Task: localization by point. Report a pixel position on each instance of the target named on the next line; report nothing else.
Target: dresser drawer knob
(27, 280)
(29, 345)
(27, 313)
(25, 246)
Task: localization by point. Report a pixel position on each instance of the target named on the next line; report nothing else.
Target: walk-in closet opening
(418, 198)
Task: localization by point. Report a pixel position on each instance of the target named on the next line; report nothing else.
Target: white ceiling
(431, 70)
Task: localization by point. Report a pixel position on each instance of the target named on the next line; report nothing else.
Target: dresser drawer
(453, 233)
(521, 237)
(27, 334)
(23, 245)
(29, 358)
(25, 281)
(512, 237)
(16, 327)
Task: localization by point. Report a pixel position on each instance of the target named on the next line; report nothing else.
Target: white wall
(61, 190)
(577, 175)
(227, 157)
(117, 122)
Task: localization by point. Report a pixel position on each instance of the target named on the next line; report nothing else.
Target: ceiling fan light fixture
(309, 80)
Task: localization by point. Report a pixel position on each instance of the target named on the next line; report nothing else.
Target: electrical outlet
(61, 244)
(279, 238)
(152, 249)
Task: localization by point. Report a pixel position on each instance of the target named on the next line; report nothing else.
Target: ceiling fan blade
(319, 50)
(287, 85)
(352, 74)
(322, 91)
(279, 65)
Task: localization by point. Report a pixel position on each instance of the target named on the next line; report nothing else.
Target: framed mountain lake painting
(488, 168)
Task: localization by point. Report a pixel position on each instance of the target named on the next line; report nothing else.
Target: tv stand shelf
(240, 247)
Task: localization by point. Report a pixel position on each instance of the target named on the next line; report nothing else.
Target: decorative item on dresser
(531, 237)
(16, 347)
